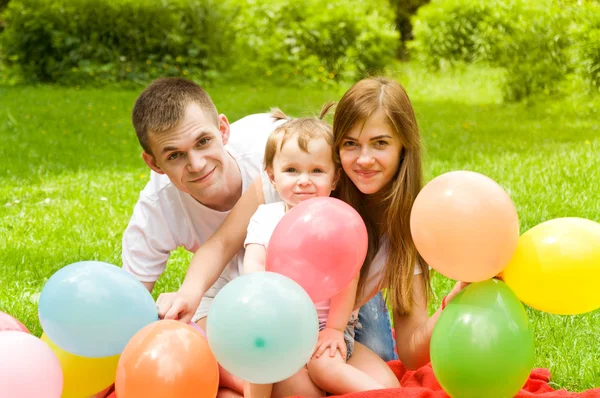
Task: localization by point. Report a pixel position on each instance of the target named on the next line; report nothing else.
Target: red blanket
(421, 383)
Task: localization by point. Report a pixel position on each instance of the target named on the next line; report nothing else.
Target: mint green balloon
(482, 344)
(262, 327)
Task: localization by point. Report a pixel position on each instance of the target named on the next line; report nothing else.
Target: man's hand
(180, 306)
(332, 339)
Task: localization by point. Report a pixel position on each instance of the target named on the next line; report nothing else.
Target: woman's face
(370, 153)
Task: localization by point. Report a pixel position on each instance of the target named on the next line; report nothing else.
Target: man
(200, 166)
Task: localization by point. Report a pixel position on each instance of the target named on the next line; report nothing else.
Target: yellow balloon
(556, 267)
(84, 376)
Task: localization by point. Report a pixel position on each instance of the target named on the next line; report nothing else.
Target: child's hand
(332, 339)
(179, 306)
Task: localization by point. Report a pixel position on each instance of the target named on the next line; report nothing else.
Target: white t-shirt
(165, 218)
(376, 271)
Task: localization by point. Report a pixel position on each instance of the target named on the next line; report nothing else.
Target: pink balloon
(8, 322)
(465, 226)
(28, 367)
(321, 244)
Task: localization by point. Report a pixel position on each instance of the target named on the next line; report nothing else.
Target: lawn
(71, 172)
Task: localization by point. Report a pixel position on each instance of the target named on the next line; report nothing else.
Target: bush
(73, 41)
(315, 41)
(586, 44)
(527, 38)
(458, 31)
(535, 53)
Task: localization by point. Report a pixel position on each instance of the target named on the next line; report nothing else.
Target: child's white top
(261, 227)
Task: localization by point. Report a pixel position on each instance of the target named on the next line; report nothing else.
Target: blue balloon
(92, 308)
(262, 327)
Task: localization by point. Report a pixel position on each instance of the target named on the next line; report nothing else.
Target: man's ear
(224, 128)
(151, 162)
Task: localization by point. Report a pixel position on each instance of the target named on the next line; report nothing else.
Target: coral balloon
(83, 376)
(556, 267)
(465, 226)
(482, 344)
(28, 367)
(167, 359)
(8, 322)
(320, 244)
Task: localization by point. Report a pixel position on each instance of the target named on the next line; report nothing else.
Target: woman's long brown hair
(393, 203)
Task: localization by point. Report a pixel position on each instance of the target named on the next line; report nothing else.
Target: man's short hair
(162, 105)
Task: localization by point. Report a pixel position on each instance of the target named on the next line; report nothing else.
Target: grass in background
(72, 171)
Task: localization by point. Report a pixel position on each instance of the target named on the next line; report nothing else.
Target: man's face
(193, 156)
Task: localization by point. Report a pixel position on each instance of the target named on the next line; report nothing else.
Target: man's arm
(147, 243)
(149, 285)
(212, 257)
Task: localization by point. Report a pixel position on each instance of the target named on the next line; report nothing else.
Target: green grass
(71, 172)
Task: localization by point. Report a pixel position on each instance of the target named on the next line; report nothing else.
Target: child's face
(370, 153)
(299, 176)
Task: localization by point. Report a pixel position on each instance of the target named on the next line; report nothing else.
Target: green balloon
(262, 327)
(482, 344)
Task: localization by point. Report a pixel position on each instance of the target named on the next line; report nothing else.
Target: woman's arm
(413, 331)
(212, 257)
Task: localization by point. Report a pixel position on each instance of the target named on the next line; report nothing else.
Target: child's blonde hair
(304, 129)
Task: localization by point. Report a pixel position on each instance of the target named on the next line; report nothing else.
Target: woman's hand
(458, 286)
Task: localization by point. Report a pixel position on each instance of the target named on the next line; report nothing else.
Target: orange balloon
(167, 359)
(465, 226)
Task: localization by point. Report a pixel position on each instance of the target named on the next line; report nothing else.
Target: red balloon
(7, 323)
(321, 244)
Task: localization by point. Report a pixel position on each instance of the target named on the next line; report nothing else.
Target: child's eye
(318, 171)
(290, 170)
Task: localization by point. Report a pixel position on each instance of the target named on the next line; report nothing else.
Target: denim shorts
(374, 329)
(348, 333)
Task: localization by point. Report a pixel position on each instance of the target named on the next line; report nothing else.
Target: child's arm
(340, 310)
(212, 257)
(255, 258)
